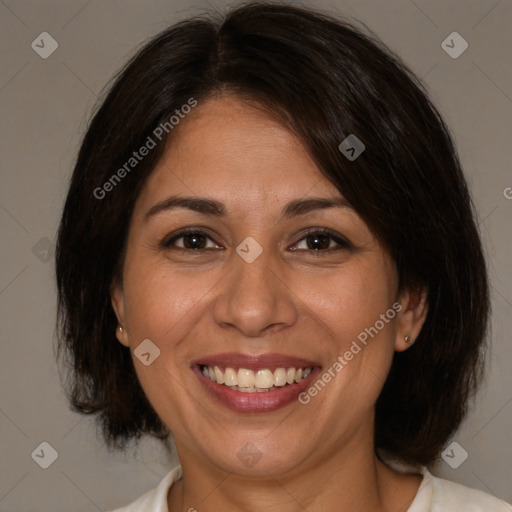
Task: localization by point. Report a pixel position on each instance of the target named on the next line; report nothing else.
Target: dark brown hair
(325, 79)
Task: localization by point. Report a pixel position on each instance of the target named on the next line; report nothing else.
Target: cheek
(159, 301)
(355, 307)
(350, 300)
(160, 307)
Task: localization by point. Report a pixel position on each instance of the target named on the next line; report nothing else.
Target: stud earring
(407, 339)
(120, 329)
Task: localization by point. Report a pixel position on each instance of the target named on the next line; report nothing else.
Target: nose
(254, 299)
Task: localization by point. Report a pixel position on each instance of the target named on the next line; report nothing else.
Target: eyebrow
(213, 208)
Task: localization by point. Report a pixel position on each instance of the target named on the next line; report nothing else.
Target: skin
(307, 302)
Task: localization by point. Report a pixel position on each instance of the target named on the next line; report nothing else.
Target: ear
(411, 317)
(117, 300)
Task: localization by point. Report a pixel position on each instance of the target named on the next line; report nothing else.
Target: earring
(407, 339)
(120, 329)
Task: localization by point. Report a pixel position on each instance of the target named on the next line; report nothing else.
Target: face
(242, 256)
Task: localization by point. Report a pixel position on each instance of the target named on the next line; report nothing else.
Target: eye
(316, 240)
(191, 240)
(320, 240)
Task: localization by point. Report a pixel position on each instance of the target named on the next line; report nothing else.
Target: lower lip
(266, 401)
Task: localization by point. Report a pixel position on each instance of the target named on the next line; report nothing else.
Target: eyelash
(343, 243)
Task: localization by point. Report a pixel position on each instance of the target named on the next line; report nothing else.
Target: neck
(352, 479)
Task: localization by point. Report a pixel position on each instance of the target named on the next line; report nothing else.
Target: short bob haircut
(324, 79)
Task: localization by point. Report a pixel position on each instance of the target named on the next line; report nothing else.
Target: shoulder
(154, 500)
(448, 496)
(440, 495)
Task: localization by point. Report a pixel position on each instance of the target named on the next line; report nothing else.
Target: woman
(270, 216)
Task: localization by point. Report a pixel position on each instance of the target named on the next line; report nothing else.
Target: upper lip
(254, 362)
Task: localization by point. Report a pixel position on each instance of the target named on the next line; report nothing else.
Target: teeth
(219, 376)
(230, 377)
(264, 379)
(245, 378)
(248, 381)
(253, 390)
(246, 390)
(280, 377)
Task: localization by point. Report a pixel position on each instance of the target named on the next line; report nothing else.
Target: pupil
(193, 241)
(319, 241)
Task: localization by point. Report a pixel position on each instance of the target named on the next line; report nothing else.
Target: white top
(434, 495)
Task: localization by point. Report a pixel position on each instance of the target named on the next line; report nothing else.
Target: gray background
(44, 108)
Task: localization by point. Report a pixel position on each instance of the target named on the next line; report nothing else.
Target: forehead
(234, 151)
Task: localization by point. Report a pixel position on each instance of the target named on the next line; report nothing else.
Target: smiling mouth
(255, 381)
